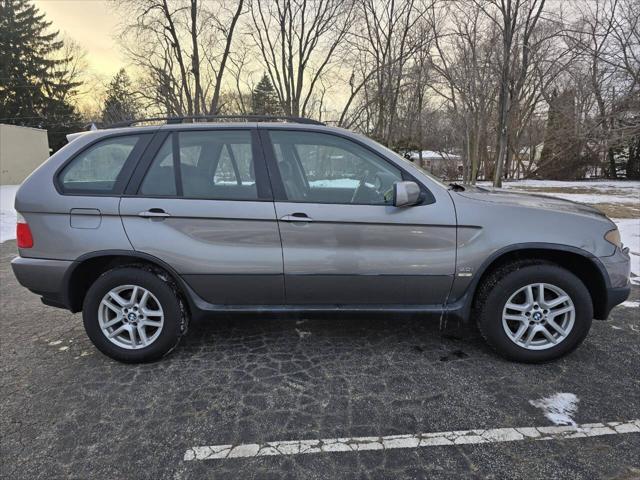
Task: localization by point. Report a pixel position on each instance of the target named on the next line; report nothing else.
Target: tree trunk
(195, 58)
(216, 94)
(633, 162)
(612, 163)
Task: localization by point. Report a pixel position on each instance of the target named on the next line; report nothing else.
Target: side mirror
(405, 194)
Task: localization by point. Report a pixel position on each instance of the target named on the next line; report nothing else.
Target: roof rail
(248, 118)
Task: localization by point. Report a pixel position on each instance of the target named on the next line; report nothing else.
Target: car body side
(467, 234)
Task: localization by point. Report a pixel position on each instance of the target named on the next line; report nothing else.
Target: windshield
(404, 160)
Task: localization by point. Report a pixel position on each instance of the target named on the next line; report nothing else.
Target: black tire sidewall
(171, 330)
(490, 321)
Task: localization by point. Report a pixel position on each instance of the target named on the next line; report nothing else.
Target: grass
(618, 210)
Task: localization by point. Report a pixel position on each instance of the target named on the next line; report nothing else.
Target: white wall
(22, 149)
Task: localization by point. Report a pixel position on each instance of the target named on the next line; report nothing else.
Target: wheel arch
(88, 267)
(579, 262)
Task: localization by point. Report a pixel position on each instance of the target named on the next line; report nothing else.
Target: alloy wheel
(538, 316)
(130, 317)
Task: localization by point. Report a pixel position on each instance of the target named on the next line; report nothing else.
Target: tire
(162, 297)
(510, 284)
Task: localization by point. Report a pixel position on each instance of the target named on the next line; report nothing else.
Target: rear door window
(98, 169)
(214, 165)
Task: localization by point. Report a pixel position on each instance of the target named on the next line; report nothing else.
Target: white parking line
(460, 437)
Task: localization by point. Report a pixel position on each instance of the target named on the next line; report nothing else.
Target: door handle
(154, 213)
(297, 217)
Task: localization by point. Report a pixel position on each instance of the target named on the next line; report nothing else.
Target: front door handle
(297, 217)
(154, 213)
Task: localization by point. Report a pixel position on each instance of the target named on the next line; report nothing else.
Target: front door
(202, 203)
(343, 241)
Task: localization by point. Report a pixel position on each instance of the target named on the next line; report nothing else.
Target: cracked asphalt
(68, 412)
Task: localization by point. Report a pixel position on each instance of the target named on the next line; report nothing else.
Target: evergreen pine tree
(560, 157)
(264, 98)
(34, 84)
(633, 160)
(121, 103)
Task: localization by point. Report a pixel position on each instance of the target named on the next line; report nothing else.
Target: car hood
(528, 200)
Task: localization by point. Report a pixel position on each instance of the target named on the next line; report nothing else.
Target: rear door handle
(297, 217)
(154, 213)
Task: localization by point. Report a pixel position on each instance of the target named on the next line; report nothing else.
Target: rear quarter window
(98, 168)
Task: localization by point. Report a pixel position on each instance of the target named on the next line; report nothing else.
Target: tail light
(23, 233)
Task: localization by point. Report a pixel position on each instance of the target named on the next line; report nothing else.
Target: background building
(22, 150)
(442, 164)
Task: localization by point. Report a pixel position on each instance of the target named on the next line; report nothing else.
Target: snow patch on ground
(559, 408)
(631, 304)
(7, 213)
(302, 333)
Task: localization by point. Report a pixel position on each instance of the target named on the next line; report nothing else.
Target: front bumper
(43, 277)
(615, 296)
(618, 267)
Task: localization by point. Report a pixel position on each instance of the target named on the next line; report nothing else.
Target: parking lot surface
(70, 412)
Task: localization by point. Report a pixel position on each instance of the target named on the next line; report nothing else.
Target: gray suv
(144, 228)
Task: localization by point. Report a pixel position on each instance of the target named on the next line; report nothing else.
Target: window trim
(177, 167)
(263, 185)
(279, 192)
(124, 175)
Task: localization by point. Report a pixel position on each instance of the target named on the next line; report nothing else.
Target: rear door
(201, 202)
(344, 243)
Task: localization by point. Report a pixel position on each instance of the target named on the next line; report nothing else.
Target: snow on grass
(630, 234)
(591, 192)
(577, 184)
(559, 408)
(7, 213)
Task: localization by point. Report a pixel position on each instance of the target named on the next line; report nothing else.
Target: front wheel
(133, 315)
(534, 312)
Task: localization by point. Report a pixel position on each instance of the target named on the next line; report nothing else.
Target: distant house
(22, 150)
(441, 164)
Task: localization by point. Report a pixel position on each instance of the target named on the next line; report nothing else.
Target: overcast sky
(91, 23)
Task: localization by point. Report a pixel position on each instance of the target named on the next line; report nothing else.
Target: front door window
(322, 168)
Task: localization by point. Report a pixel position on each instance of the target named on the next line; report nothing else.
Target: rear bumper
(43, 277)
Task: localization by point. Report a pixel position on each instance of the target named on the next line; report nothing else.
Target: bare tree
(181, 49)
(387, 37)
(464, 60)
(625, 51)
(297, 41)
(516, 21)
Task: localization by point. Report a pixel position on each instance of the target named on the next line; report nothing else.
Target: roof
(208, 125)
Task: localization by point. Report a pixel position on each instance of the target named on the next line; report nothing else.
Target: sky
(92, 24)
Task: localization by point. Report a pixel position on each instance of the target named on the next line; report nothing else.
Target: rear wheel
(534, 312)
(133, 315)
